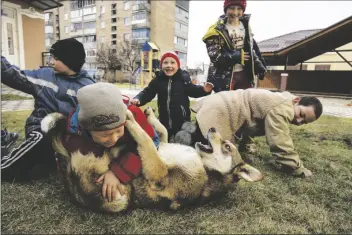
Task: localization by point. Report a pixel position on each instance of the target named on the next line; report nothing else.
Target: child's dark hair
(312, 101)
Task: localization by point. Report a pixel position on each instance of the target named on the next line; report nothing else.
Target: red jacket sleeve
(128, 166)
(141, 119)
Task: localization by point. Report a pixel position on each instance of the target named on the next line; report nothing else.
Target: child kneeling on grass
(173, 87)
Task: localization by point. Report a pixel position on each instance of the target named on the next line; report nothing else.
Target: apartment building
(105, 23)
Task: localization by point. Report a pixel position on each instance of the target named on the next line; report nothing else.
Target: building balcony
(90, 17)
(179, 47)
(49, 35)
(49, 23)
(141, 7)
(86, 31)
(90, 45)
(140, 40)
(140, 24)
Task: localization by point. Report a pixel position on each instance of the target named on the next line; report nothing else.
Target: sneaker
(8, 138)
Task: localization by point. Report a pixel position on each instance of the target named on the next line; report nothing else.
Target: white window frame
(66, 29)
(126, 5)
(128, 38)
(102, 24)
(128, 21)
(102, 9)
(66, 16)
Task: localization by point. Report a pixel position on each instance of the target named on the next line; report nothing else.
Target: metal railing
(141, 7)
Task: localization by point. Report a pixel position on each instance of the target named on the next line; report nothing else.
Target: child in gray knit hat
(98, 124)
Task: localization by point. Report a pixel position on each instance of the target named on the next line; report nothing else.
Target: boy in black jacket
(173, 87)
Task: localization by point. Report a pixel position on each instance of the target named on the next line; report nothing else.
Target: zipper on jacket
(233, 68)
(183, 111)
(168, 102)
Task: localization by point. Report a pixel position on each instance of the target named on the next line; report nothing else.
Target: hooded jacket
(52, 92)
(223, 57)
(173, 101)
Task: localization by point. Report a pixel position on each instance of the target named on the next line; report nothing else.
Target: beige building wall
(34, 41)
(163, 24)
(328, 57)
(122, 14)
(333, 56)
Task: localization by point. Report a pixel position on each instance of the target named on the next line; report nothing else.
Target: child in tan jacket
(257, 112)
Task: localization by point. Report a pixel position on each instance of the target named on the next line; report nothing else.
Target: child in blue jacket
(54, 90)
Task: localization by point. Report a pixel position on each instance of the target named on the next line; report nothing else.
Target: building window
(140, 33)
(181, 12)
(80, 4)
(180, 41)
(126, 20)
(47, 16)
(90, 53)
(139, 16)
(66, 29)
(47, 42)
(78, 26)
(102, 9)
(10, 39)
(102, 39)
(127, 37)
(66, 16)
(183, 58)
(90, 25)
(126, 5)
(137, 2)
(178, 25)
(184, 28)
(181, 27)
(91, 38)
(322, 67)
(102, 24)
(113, 6)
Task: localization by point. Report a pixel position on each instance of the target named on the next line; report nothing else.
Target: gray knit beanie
(101, 107)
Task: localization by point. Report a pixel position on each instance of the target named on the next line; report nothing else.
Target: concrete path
(331, 106)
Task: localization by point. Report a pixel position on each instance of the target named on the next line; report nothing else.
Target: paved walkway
(331, 106)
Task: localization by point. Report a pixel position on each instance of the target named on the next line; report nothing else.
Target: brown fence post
(283, 83)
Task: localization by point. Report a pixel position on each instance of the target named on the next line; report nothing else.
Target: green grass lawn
(278, 204)
(14, 97)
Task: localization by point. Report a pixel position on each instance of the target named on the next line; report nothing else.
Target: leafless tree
(128, 53)
(109, 61)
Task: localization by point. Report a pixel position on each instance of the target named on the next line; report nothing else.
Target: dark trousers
(32, 159)
(240, 80)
